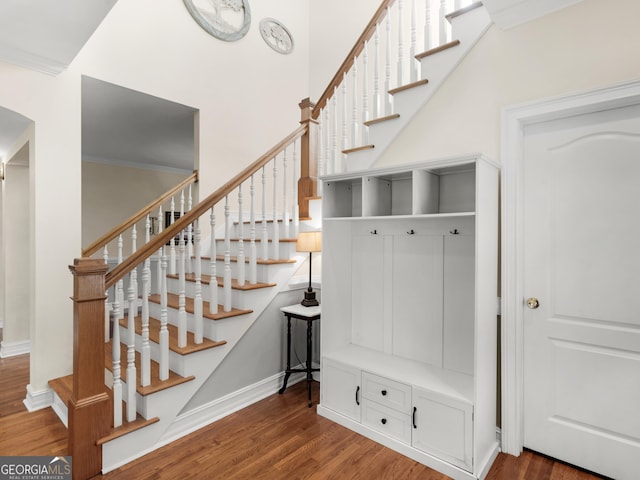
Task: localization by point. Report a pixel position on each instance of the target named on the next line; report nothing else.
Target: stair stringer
(168, 404)
(468, 28)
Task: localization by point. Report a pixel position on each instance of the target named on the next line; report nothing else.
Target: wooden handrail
(355, 51)
(136, 217)
(197, 211)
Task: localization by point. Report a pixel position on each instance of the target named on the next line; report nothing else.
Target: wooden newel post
(90, 405)
(308, 182)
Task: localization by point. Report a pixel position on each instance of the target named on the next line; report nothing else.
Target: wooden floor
(276, 438)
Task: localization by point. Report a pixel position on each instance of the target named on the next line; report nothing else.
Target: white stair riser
(265, 273)
(239, 298)
(285, 249)
(246, 230)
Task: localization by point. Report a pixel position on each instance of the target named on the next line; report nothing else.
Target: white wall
(112, 193)
(578, 48)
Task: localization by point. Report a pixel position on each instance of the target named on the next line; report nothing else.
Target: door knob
(533, 303)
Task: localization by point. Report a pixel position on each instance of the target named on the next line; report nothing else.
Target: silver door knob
(533, 303)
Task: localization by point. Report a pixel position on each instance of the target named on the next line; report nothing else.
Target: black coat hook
(411, 232)
(454, 231)
(374, 232)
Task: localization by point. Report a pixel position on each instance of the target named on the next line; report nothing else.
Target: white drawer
(386, 392)
(387, 420)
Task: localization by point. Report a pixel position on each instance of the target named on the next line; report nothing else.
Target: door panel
(582, 262)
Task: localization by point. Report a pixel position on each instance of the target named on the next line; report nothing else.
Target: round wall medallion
(276, 35)
(228, 20)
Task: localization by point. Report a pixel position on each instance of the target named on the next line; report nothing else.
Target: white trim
(213, 411)
(58, 406)
(514, 119)
(13, 349)
(37, 400)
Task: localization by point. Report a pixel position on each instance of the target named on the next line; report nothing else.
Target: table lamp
(309, 242)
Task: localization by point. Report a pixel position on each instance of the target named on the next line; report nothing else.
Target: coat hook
(374, 232)
(454, 231)
(411, 232)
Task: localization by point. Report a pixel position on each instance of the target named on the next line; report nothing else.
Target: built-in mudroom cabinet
(409, 282)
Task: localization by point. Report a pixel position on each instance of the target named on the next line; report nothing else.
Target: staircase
(174, 353)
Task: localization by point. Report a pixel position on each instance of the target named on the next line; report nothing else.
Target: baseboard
(13, 349)
(37, 400)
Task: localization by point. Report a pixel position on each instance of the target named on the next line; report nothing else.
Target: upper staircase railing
(384, 60)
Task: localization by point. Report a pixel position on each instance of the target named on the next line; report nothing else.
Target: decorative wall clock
(227, 20)
(276, 35)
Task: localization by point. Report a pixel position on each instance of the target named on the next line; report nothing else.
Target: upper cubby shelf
(435, 188)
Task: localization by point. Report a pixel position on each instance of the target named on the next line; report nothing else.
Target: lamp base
(309, 299)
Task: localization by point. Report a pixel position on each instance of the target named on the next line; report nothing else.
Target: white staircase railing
(383, 59)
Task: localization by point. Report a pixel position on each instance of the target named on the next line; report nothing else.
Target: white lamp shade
(309, 242)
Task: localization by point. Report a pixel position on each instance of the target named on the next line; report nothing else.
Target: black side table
(309, 314)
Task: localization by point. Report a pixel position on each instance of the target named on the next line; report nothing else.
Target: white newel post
(241, 256)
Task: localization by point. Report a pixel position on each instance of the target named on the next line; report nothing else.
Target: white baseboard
(37, 400)
(12, 349)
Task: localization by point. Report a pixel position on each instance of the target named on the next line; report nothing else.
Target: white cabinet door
(443, 427)
(341, 390)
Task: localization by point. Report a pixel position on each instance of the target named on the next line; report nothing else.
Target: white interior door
(582, 264)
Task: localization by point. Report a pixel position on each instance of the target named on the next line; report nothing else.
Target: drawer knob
(384, 421)
(384, 393)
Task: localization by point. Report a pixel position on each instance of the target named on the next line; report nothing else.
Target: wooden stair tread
(63, 386)
(439, 49)
(156, 384)
(408, 86)
(154, 336)
(206, 280)
(358, 149)
(127, 427)
(462, 11)
(260, 261)
(173, 301)
(393, 116)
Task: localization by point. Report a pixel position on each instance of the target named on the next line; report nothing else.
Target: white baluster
(376, 74)
(182, 281)
(115, 358)
(276, 228)
(213, 284)
(253, 252)
(189, 235)
(327, 143)
(334, 142)
(227, 256)
(365, 93)
(134, 249)
(145, 350)
(285, 208)
(172, 250)
(131, 351)
(160, 250)
(321, 159)
(345, 145)
(164, 332)
(107, 307)
(354, 105)
(400, 79)
(443, 27)
(388, 106)
(295, 207)
(120, 284)
(264, 238)
(197, 301)
(413, 63)
(240, 256)
(427, 26)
